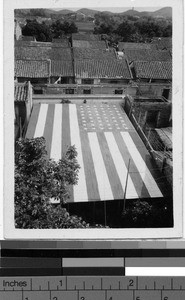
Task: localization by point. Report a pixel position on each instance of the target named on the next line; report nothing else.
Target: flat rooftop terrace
(106, 141)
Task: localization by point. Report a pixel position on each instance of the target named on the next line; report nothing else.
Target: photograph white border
(10, 232)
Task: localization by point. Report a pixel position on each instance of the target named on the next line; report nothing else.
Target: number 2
(131, 282)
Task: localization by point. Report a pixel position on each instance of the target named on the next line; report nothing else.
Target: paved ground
(105, 140)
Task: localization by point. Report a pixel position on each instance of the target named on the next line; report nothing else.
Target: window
(87, 81)
(166, 93)
(118, 92)
(87, 91)
(69, 91)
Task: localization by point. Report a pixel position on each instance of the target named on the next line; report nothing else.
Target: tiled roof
(32, 53)
(135, 46)
(43, 53)
(153, 69)
(89, 53)
(85, 37)
(162, 42)
(101, 69)
(62, 68)
(89, 44)
(20, 92)
(32, 68)
(147, 55)
(27, 38)
(62, 44)
(60, 54)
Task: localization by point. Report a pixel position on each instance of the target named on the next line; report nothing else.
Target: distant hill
(165, 12)
(62, 12)
(130, 12)
(87, 12)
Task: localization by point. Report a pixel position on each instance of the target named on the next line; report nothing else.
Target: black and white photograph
(93, 137)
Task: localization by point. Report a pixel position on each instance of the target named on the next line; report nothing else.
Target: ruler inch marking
(105, 294)
(137, 284)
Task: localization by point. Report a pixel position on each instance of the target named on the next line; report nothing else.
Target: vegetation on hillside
(132, 28)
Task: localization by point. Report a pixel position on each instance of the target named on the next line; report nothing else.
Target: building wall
(22, 112)
(17, 30)
(93, 89)
(162, 110)
(154, 89)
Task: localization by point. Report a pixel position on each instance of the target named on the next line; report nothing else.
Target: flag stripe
(112, 173)
(101, 173)
(66, 136)
(56, 144)
(80, 190)
(120, 166)
(39, 130)
(66, 140)
(91, 180)
(33, 121)
(142, 167)
(133, 171)
(145, 155)
(49, 128)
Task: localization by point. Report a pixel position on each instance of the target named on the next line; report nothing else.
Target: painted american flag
(105, 141)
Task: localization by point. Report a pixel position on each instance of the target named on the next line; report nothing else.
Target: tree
(125, 30)
(37, 179)
(41, 32)
(58, 28)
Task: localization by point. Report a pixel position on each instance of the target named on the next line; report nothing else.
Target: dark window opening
(87, 91)
(87, 81)
(118, 92)
(152, 117)
(69, 91)
(166, 93)
(38, 92)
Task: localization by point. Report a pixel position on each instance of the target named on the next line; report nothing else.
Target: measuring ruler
(92, 288)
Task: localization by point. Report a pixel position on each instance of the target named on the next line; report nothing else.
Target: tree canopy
(58, 28)
(41, 32)
(37, 179)
(45, 33)
(131, 28)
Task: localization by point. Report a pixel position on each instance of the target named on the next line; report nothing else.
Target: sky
(114, 9)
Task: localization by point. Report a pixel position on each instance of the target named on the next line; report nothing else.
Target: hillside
(130, 12)
(165, 12)
(87, 12)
